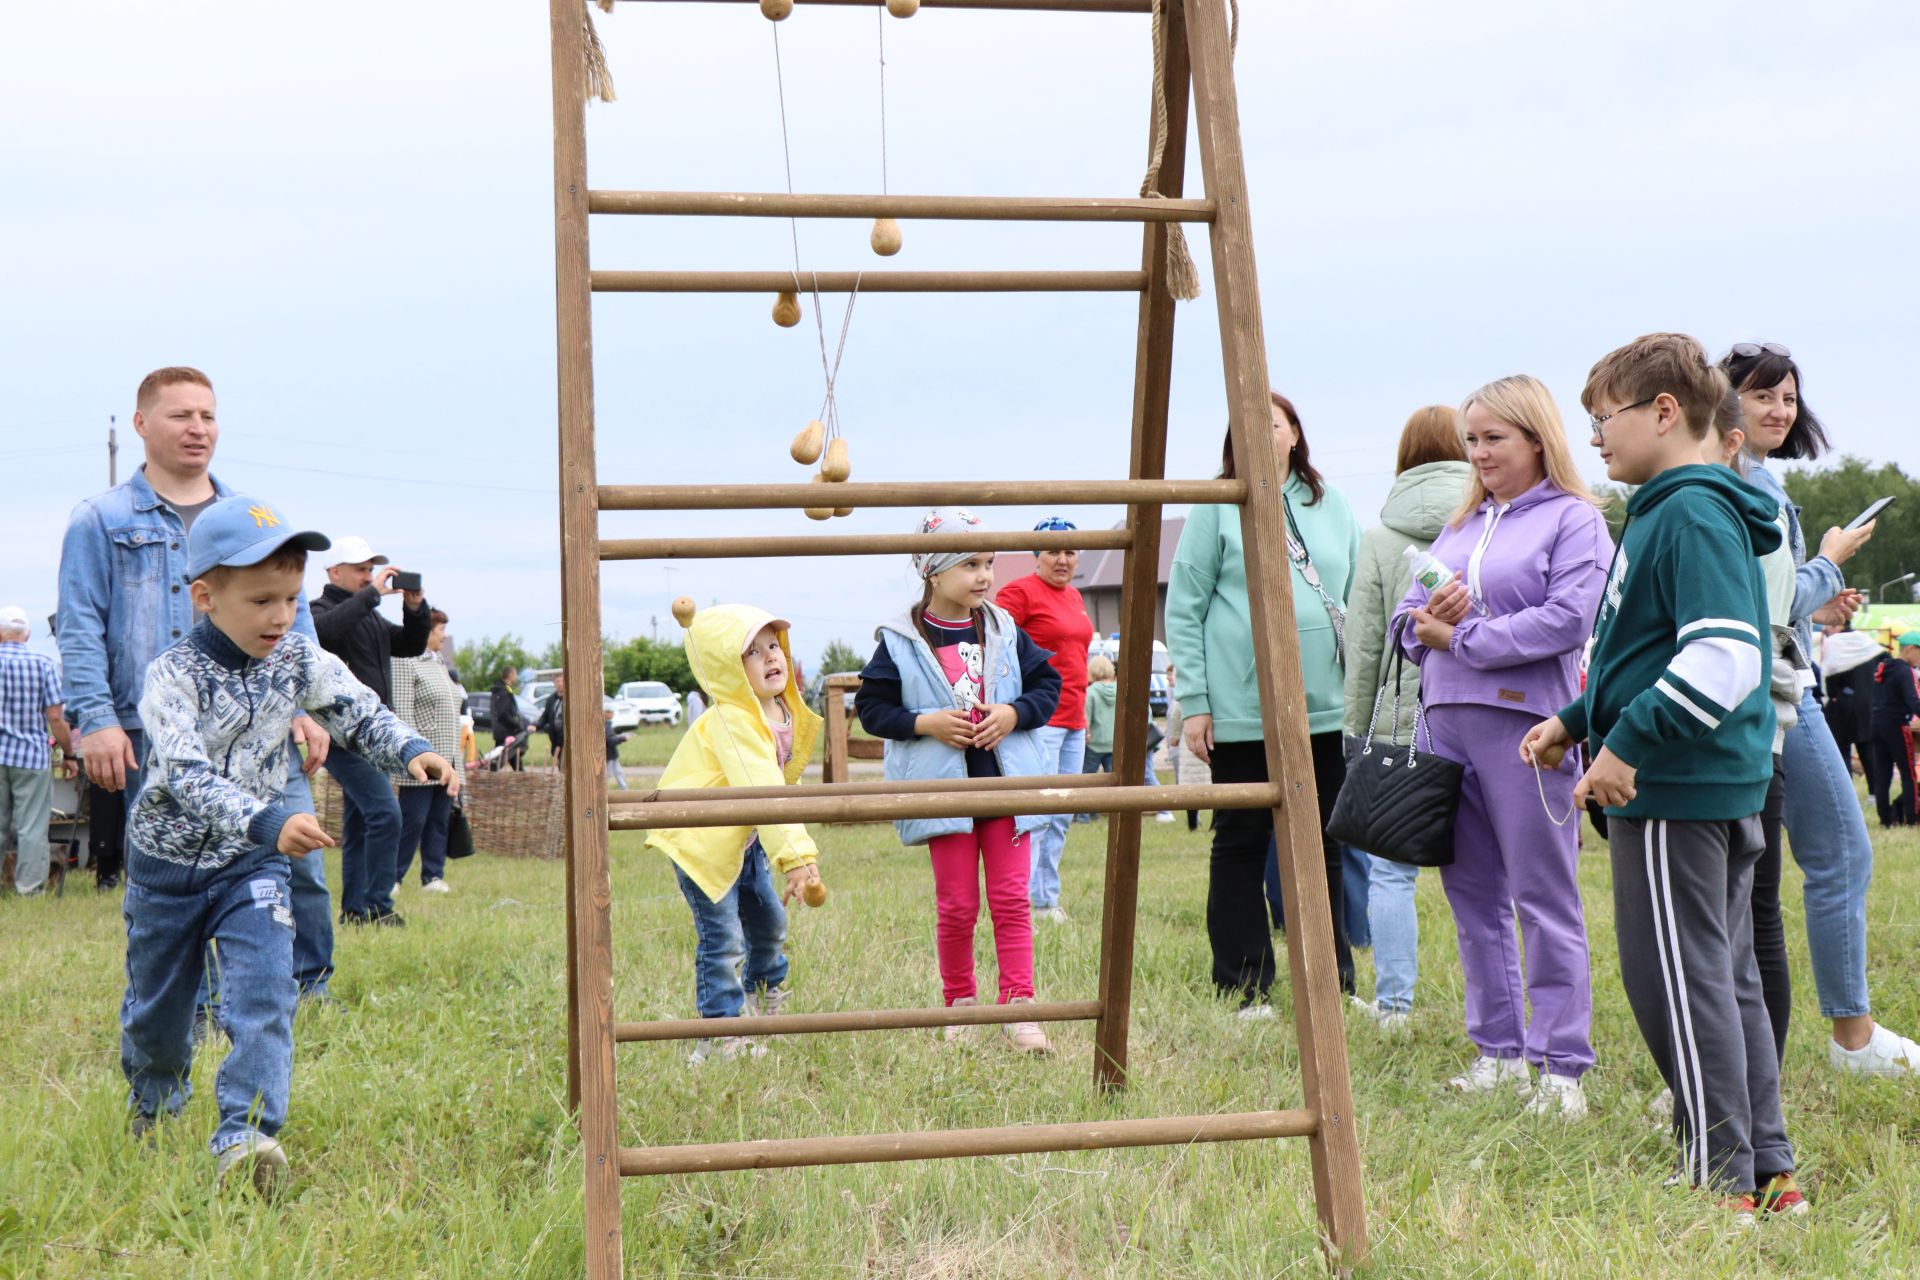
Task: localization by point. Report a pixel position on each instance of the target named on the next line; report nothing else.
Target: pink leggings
(956, 891)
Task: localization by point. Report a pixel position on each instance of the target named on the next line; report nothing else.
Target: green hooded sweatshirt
(1209, 626)
(1677, 673)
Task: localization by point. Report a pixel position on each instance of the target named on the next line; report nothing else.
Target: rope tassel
(599, 79)
(1183, 278)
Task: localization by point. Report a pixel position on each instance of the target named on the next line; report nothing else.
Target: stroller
(507, 754)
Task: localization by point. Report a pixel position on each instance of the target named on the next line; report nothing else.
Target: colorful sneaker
(1487, 1074)
(259, 1158)
(1781, 1196)
(965, 1032)
(1027, 1036)
(1884, 1054)
(724, 1049)
(1560, 1096)
(436, 885)
(768, 1002)
(1740, 1210)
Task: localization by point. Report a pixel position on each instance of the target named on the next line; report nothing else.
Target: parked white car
(640, 702)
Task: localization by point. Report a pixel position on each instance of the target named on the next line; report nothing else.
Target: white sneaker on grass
(1660, 1110)
(1487, 1074)
(1165, 815)
(1254, 1012)
(1559, 1096)
(1027, 1036)
(1884, 1054)
(963, 1032)
(770, 1002)
(724, 1049)
(436, 885)
(1052, 915)
(260, 1160)
(398, 885)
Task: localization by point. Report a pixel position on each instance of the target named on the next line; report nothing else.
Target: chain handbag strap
(1303, 559)
(1396, 668)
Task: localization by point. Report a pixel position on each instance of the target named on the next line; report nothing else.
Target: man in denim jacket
(123, 600)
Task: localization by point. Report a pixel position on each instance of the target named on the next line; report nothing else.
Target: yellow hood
(732, 745)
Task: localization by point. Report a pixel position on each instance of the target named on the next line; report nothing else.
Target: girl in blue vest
(957, 690)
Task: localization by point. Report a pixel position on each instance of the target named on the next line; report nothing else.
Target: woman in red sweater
(1048, 608)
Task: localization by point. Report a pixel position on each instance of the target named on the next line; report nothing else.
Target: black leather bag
(1398, 803)
(459, 834)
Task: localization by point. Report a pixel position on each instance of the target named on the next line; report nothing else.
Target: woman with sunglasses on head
(1499, 651)
(1825, 827)
(1210, 631)
(1047, 606)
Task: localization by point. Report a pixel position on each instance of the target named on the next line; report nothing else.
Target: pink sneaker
(1027, 1036)
(951, 1034)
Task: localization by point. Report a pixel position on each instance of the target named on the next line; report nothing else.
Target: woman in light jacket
(426, 698)
(1430, 482)
(1499, 651)
(1210, 633)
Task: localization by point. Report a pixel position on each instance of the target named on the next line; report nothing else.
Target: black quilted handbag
(1398, 803)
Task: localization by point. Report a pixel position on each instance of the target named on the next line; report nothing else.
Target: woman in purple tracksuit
(1499, 651)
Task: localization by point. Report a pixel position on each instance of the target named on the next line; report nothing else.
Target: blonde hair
(1524, 403)
(1099, 667)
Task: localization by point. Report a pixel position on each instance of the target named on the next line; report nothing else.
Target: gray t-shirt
(187, 516)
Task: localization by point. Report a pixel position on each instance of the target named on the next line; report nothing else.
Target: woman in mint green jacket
(1210, 634)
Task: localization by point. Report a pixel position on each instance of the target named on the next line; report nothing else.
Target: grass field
(650, 744)
(430, 1139)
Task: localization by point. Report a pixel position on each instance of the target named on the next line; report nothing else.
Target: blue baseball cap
(240, 531)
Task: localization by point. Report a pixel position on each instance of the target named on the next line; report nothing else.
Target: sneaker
(1487, 1074)
(1560, 1096)
(1254, 1011)
(769, 1002)
(1884, 1054)
(1027, 1036)
(1740, 1211)
(725, 1049)
(398, 885)
(1052, 915)
(1661, 1109)
(261, 1159)
(960, 1032)
(436, 885)
(1781, 1196)
(1165, 815)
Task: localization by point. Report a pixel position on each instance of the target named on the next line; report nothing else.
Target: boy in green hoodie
(1680, 733)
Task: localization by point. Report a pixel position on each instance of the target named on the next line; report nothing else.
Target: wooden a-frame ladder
(1196, 55)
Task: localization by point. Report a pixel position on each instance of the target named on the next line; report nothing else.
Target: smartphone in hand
(404, 581)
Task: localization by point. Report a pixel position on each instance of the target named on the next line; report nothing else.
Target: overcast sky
(343, 213)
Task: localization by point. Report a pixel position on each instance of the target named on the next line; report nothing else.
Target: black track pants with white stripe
(1683, 915)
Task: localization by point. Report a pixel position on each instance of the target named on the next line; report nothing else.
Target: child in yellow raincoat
(757, 733)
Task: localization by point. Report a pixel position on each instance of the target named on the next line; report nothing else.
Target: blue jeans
(369, 833)
(424, 812)
(1064, 750)
(1828, 836)
(248, 918)
(747, 926)
(1356, 874)
(1396, 933)
(312, 908)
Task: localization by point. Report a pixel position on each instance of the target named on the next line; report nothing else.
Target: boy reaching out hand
(210, 834)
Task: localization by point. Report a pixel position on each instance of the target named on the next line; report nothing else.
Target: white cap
(353, 550)
(14, 616)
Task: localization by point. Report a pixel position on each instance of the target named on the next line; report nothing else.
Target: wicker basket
(513, 814)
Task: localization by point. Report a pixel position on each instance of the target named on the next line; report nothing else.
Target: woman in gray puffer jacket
(1430, 479)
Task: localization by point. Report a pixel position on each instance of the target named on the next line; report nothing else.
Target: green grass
(650, 744)
(430, 1139)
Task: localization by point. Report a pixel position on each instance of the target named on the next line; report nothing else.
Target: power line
(363, 475)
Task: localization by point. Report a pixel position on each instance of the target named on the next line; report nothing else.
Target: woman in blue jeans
(1825, 826)
(427, 700)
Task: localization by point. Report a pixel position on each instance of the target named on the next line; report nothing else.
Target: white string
(1541, 786)
(881, 18)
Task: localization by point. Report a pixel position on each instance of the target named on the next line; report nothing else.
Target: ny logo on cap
(263, 517)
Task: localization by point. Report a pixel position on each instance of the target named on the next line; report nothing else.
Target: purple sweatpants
(1508, 853)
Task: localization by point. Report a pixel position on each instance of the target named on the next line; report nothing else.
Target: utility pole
(113, 454)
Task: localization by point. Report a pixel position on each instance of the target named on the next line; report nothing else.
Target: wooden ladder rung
(996, 804)
(1022, 6)
(932, 493)
(777, 204)
(860, 544)
(792, 1024)
(655, 795)
(1008, 1140)
(870, 281)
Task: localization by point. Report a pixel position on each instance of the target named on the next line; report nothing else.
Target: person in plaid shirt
(29, 710)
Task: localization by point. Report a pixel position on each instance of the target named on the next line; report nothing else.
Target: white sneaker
(398, 885)
(1052, 915)
(1027, 1036)
(770, 1002)
(724, 1049)
(1560, 1096)
(1660, 1110)
(964, 1032)
(1884, 1054)
(260, 1158)
(1254, 1012)
(1487, 1074)
(437, 885)
(1165, 815)
(1396, 1023)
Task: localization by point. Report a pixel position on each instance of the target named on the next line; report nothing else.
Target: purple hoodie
(1534, 569)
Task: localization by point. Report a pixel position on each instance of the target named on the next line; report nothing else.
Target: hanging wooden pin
(886, 237)
(786, 309)
(808, 444)
(778, 9)
(837, 466)
(903, 8)
(683, 611)
(819, 513)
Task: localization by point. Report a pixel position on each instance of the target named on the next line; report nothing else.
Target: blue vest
(924, 687)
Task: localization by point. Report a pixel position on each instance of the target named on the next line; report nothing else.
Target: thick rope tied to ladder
(1183, 278)
(599, 79)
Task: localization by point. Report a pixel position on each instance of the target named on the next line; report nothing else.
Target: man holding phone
(346, 617)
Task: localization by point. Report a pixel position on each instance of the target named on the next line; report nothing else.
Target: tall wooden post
(590, 1082)
(1310, 956)
(1139, 590)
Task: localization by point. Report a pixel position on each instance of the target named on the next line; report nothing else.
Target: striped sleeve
(1721, 655)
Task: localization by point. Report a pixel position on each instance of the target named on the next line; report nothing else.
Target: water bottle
(1427, 569)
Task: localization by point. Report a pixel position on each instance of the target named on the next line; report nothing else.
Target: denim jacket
(124, 600)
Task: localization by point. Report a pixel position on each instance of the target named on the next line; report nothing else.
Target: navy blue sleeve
(877, 700)
(1041, 683)
(1904, 682)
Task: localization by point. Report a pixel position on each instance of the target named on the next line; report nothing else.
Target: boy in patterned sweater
(210, 835)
